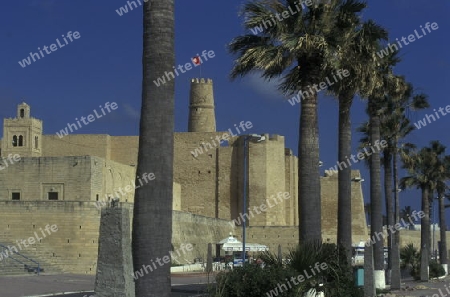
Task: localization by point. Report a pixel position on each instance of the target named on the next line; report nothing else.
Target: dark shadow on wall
(237, 179)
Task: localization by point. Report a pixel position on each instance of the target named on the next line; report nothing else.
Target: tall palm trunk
(389, 207)
(395, 272)
(152, 221)
(344, 231)
(309, 175)
(442, 230)
(431, 239)
(425, 235)
(376, 226)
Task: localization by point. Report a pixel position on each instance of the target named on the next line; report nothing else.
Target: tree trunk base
(388, 277)
(445, 266)
(380, 279)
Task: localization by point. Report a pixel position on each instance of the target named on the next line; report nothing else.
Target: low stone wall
(74, 246)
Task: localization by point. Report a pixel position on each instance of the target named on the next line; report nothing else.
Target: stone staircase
(12, 263)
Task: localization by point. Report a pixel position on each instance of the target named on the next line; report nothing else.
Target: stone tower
(22, 135)
(202, 116)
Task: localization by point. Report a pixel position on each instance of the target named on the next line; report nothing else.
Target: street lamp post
(434, 230)
(257, 138)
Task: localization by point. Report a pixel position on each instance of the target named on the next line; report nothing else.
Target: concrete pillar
(369, 278)
(114, 266)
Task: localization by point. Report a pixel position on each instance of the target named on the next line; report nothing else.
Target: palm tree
(423, 167)
(152, 221)
(390, 86)
(356, 57)
(396, 125)
(299, 49)
(442, 175)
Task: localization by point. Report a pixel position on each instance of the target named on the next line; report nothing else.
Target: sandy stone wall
(74, 247)
(124, 149)
(197, 174)
(33, 178)
(329, 190)
(77, 145)
(74, 178)
(291, 180)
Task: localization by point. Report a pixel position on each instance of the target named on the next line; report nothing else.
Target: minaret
(202, 117)
(22, 135)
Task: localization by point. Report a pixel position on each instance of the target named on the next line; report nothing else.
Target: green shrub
(277, 279)
(337, 279)
(253, 281)
(410, 257)
(436, 269)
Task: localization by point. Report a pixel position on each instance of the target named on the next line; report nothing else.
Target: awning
(250, 247)
(233, 245)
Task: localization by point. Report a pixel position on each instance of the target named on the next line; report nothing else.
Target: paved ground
(48, 284)
(183, 285)
(433, 288)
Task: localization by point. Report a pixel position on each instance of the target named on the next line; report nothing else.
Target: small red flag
(196, 60)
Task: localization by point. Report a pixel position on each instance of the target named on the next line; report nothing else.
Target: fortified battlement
(202, 117)
(275, 137)
(201, 81)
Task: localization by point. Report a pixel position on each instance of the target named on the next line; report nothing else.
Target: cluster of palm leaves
(303, 50)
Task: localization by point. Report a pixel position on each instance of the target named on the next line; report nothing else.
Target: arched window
(14, 141)
(22, 112)
(36, 143)
(20, 140)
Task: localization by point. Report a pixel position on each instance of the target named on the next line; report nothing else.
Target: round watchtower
(202, 116)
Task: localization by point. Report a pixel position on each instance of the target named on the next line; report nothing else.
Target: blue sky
(104, 64)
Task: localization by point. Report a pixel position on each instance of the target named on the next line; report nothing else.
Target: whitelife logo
(393, 229)
(411, 38)
(147, 177)
(31, 240)
(316, 270)
(196, 60)
(423, 123)
(124, 9)
(282, 16)
(146, 269)
(361, 156)
(341, 73)
(53, 48)
(281, 196)
(5, 162)
(90, 118)
(225, 137)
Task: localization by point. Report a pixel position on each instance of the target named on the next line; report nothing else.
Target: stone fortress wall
(208, 185)
(74, 247)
